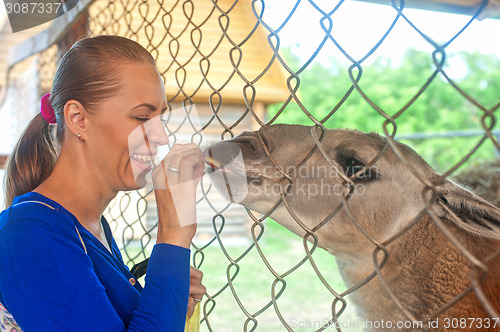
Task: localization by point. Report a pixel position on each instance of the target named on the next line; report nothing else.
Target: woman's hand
(175, 181)
(196, 291)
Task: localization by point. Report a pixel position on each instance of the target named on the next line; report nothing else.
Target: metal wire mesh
(211, 54)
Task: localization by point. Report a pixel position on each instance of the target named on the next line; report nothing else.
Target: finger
(181, 148)
(162, 177)
(196, 275)
(197, 291)
(176, 157)
(191, 307)
(175, 161)
(193, 301)
(189, 167)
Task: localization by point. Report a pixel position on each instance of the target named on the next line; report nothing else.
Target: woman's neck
(77, 191)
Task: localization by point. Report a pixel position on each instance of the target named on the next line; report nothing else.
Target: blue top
(49, 283)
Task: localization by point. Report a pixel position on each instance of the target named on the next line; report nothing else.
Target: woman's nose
(156, 131)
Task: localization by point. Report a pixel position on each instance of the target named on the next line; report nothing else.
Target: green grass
(305, 302)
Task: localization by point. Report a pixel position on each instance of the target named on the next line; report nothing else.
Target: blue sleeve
(164, 299)
(48, 283)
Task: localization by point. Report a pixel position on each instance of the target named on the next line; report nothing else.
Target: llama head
(346, 186)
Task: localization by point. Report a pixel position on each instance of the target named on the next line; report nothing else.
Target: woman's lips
(147, 158)
(143, 162)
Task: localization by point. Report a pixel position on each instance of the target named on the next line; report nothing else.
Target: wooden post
(261, 112)
(79, 28)
(3, 161)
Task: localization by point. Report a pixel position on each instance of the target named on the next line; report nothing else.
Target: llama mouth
(213, 163)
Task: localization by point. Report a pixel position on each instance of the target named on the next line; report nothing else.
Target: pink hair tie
(47, 110)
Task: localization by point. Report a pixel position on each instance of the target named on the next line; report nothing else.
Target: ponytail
(31, 161)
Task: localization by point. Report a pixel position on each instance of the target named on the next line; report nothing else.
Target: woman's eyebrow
(151, 107)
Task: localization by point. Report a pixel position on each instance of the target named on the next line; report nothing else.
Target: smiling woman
(110, 139)
(106, 100)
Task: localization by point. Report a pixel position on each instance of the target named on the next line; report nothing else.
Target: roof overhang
(465, 7)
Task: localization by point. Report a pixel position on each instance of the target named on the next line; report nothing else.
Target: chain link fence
(226, 58)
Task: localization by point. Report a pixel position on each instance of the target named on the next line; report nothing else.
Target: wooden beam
(464, 7)
(40, 42)
(3, 161)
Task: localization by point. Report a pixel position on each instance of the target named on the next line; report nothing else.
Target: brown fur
(484, 179)
(449, 273)
(424, 270)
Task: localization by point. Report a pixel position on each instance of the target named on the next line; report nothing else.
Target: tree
(440, 108)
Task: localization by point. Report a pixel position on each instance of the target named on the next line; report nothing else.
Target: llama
(440, 238)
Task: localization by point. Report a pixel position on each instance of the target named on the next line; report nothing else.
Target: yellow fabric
(193, 323)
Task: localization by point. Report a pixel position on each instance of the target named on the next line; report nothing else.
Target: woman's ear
(75, 116)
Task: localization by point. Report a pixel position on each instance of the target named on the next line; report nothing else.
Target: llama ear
(472, 213)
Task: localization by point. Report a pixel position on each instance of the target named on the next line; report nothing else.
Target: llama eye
(352, 166)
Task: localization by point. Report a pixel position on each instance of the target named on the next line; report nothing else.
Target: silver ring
(173, 170)
(198, 300)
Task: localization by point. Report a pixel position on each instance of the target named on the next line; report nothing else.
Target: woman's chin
(139, 182)
(140, 172)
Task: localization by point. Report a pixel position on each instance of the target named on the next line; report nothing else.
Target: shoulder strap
(53, 208)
